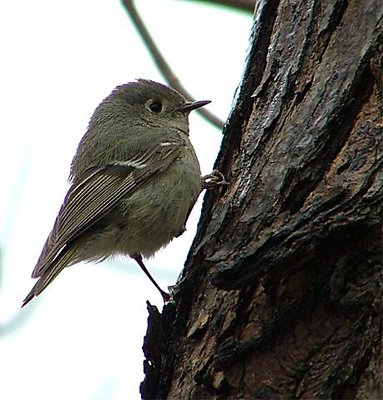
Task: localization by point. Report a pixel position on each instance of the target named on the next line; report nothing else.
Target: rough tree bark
(281, 293)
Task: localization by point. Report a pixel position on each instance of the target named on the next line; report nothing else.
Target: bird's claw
(167, 298)
(213, 180)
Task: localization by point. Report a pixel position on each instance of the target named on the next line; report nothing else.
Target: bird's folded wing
(93, 197)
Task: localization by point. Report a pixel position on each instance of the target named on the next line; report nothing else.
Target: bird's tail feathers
(49, 272)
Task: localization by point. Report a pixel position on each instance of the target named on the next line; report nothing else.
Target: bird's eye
(154, 106)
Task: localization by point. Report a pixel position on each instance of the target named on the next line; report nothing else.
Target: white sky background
(82, 338)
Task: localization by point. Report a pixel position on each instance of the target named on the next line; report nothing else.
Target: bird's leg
(213, 180)
(165, 296)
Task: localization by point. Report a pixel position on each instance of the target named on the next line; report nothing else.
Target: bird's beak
(192, 105)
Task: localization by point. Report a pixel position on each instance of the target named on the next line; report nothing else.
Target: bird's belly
(158, 213)
(151, 217)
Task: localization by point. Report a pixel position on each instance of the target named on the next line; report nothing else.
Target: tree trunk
(280, 296)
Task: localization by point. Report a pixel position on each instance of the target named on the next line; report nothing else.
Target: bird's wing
(93, 197)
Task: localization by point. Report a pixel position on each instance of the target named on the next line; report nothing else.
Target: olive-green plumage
(134, 179)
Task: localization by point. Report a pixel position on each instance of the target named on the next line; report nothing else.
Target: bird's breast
(157, 212)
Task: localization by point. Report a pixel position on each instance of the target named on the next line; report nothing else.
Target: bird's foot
(214, 180)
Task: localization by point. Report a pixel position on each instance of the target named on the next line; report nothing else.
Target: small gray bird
(134, 180)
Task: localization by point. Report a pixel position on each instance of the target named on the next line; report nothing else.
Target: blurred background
(82, 338)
